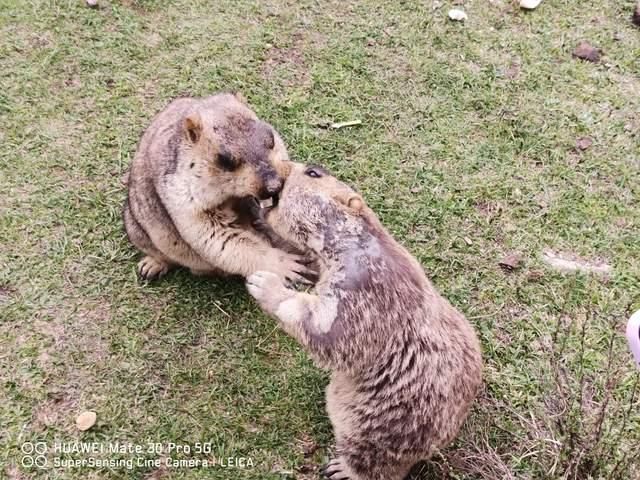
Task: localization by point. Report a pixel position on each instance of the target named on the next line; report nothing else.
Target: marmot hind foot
(336, 469)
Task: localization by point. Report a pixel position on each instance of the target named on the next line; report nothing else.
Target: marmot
(405, 364)
(191, 187)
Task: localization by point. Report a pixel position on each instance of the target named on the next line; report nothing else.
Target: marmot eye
(226, 162)
(313, 173)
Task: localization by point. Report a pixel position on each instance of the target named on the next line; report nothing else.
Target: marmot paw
(336, 470)
(150, 268)
(267, 288)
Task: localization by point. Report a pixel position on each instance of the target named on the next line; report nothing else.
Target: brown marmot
(406, 365)
(191, 186)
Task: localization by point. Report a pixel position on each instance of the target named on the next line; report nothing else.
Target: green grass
(468, 131)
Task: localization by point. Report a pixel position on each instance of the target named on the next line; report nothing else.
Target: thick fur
(406, 365)
(191, 184)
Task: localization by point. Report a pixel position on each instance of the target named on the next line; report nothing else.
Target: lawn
(479, 140)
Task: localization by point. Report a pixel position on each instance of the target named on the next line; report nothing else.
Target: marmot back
(191, 184)
(406, 365)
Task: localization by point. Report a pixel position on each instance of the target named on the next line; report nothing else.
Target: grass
(466, 152)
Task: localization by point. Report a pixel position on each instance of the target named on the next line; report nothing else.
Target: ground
(479, 141)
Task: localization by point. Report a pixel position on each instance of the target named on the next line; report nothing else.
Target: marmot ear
(193, 127)
(352, 201)
(355, 203)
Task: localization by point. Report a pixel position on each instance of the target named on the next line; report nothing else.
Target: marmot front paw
(292, 267)
(268, 289)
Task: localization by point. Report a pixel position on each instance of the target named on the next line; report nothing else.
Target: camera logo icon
(34, 454)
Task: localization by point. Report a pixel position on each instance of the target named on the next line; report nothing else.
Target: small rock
(583, 143)
(457, 15)
(467, 240)
(92, 3)
(586, 51)
(530, 4)
(86, 420)
(534, 275)
(510, 262)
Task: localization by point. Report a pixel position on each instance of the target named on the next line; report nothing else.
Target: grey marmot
(405, 364)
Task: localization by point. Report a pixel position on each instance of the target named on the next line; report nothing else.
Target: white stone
(457, 15)
(530, 4)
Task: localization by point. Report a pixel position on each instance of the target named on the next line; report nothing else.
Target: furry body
(406, 365)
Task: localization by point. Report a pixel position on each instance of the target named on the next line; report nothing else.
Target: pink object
(633, 335)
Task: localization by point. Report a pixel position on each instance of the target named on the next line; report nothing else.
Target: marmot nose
(273, 186)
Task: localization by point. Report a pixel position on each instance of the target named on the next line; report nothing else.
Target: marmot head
(230, 152)
(312, 206)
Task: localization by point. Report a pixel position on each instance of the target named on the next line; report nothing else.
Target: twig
(351, 123)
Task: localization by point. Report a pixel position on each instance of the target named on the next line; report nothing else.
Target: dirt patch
(72, 345)
(159, 474)
(152, 39)
(489, 210)
(14, 473)
(6, 293)
(286, 65)
(64, 135)
(54, 412)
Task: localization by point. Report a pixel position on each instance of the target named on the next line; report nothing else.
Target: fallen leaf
(510, 262)
(586, 51)
(86, 420)
(583, 143)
